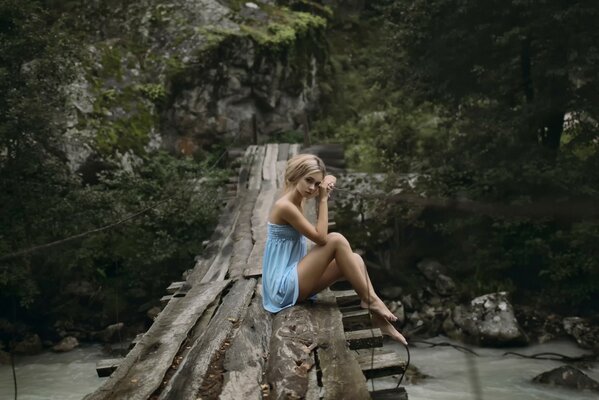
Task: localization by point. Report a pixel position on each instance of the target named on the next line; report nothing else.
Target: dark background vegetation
(495, 102)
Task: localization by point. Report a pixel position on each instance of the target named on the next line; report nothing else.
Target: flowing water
(458, 376)
(60, 376)
(69, 376)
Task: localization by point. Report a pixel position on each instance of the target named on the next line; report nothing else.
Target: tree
(521, 62)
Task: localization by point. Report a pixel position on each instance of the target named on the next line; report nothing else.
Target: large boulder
(66, 344)
(32, 344)
(569, 377)
(488, 320)
(586, 335)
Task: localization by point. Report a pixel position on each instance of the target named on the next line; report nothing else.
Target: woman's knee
(359, 259)
(337, 239)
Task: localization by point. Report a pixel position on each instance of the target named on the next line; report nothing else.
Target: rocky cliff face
(185, 74)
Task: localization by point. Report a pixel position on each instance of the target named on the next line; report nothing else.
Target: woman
(289, 275)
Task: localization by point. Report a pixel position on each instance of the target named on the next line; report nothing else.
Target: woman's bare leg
(313, 266)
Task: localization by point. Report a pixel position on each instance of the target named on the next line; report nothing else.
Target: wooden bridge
(214, 340)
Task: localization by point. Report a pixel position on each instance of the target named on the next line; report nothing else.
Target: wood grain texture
(246, 358)
(186, 382)
(142, 371)
(342, 376)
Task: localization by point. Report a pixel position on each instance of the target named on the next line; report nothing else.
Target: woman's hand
(327, 185)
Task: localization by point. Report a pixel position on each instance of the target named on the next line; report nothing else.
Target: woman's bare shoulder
(281, 208)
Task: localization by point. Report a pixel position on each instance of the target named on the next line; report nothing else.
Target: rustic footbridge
(214, 340)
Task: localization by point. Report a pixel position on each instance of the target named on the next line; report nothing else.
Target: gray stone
(66, 344)
(569, 377)
(391, 292)
(431, 269)
(109, 334)
(445, 285)
(489, 320)
(30, 345)
(585, 334)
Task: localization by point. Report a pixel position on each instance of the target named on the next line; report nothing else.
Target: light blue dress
(284, 248)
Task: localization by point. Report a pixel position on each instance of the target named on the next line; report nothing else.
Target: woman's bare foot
(388, 329)
(378, 307)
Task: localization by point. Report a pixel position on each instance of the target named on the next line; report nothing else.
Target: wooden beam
(105, 368)
(342, 377)
(246, 358)
(291, 355)
(376, 363)
(346, 297)
(142, 371)
(364, 338)
(390, 394)
(356, 319)
(190, 374)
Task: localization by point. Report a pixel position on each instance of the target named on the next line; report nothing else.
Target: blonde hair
(301, 165)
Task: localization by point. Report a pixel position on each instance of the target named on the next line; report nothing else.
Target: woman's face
(307, 186)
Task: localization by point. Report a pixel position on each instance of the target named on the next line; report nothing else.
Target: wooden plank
(270, 162)
(342, 377)
(283, 152)
(364, 338)
(175, 286)
(356, 319)
(376, 363)
(105, 368)
(190, 375)
(242, 236)
(244, 170)
(142, 371)
(264, 203)
(255, 178)
(346, 297)
(245, 359)
(294, 149)
(290, 361)
(390, 394)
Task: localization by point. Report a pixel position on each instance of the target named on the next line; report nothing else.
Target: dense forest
(481, 103)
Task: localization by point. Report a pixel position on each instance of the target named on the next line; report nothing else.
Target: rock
(391, 292)
(110, 333)
(569, 377)
(66, 344)
(445, 285)
(30, 346)
(431, 269)
(586, 336)
(489, 320)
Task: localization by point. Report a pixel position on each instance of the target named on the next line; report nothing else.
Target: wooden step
(165, 299)
(174, 287)
(346, 297)
(390, 394)
(356, 319)
(107, 367)
(341, 284)
(384, 363)
(364, 339)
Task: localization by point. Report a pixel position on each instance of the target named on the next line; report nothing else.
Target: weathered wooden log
(342, 377)
(255, 177)
(245, 360)
(244, 170)
(142, 371)
(175, 286)
(187, 381)
(291, 356)
(364, 338)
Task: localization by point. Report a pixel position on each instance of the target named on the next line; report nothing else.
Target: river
(69, 376)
